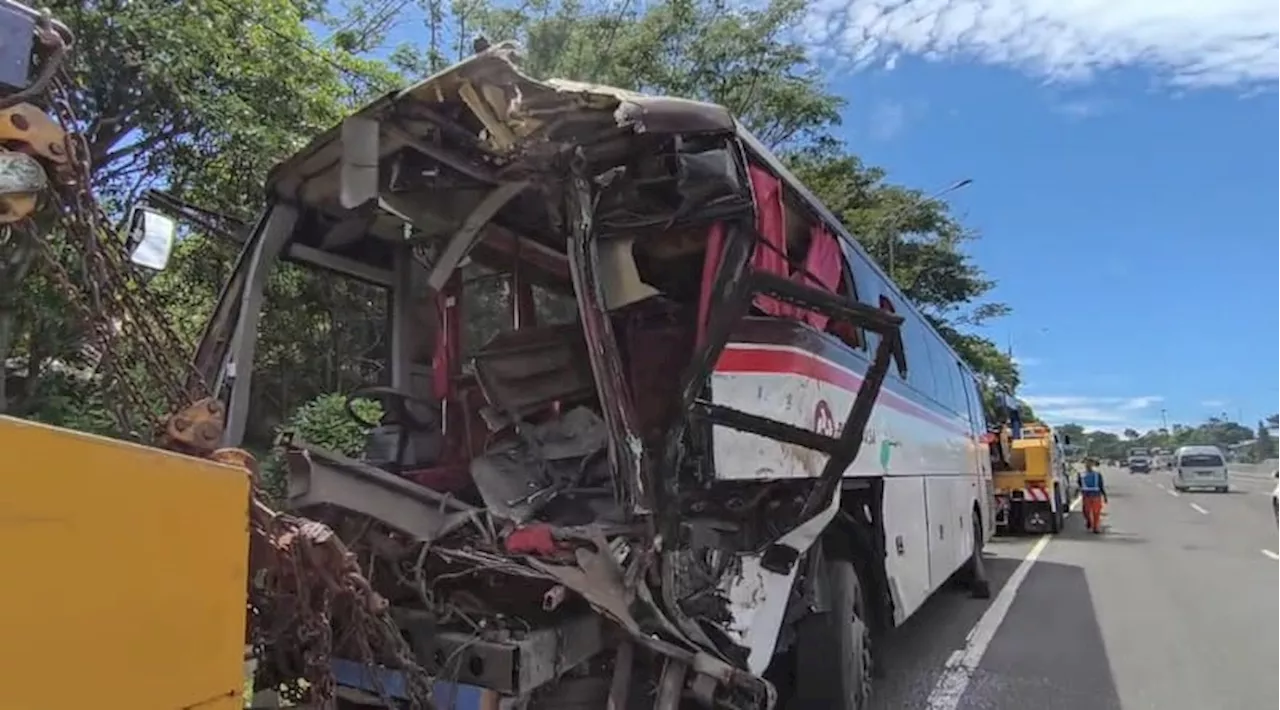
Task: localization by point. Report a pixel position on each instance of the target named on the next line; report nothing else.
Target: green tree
(202, 98)
(1212, 432)
(930, 266)
(1264, 445)
(746, 60)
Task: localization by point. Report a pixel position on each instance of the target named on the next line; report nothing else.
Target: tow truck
(1031, 478)
(137, 556)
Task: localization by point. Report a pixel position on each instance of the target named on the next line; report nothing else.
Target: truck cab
(1139, 460)
(1032, 481)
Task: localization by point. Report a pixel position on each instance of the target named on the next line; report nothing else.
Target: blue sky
(1126, 200)
(1124, 166)
(1133, 233)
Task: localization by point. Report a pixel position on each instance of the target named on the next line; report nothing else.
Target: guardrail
(1253, 470)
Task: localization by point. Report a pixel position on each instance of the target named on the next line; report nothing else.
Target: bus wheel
(979, 583)
(833, 649)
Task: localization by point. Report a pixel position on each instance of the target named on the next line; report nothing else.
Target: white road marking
(1172, 492)
(962, 664)
(1161, 487)
(1272, 555)
(1198, 509)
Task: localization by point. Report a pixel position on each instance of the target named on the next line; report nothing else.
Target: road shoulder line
(962, 664)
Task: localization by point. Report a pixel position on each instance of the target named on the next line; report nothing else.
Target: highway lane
(1173, 607)
(1248, 505)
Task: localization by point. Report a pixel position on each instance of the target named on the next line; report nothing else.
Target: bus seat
(521, 372)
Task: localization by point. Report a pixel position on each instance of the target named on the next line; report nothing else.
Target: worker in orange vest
(1093, 493)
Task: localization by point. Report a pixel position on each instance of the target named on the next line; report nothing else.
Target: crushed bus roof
(511, 111)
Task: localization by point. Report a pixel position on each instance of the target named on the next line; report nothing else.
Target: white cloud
(1188, 42)
(1103, 413)
(1022, 361)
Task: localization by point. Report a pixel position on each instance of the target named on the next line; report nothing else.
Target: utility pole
(1164, 418)
(892, 220)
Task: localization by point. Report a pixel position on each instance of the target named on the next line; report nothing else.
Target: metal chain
(142, 359)
(309, 580)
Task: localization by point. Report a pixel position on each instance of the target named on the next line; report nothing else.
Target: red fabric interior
(715, 244)
(821, 268)
(770, 254)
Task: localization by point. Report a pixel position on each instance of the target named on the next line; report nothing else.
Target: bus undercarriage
(542, 511)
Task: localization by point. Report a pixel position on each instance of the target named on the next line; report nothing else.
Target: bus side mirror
(151, 238)
(1066, 439)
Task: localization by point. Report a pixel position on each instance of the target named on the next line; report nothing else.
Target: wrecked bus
(735, 460)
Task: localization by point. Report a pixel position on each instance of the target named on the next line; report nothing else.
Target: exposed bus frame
(227, 350)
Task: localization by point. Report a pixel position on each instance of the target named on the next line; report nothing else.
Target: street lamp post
(892, 220)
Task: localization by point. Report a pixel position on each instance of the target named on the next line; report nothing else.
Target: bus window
(822, 268)
(915, 345)
(946, 377)
(851, 335)
(771, 251)
(887, 305)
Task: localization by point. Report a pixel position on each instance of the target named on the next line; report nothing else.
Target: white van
(1199, 467)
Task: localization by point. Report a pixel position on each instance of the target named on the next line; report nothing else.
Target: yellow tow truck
(1032, 481)
(139, 576)
(173, 605)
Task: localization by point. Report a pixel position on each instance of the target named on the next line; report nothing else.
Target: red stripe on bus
(738, 360)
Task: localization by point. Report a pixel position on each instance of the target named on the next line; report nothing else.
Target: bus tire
(833, 648)
(979, 582)
(1055, 524)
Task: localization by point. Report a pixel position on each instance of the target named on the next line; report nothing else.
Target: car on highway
(1275, 496)
(1200, 467)
(1139, 460)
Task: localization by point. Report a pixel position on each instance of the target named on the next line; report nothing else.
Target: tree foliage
(323, 422)
(202, 97)
(1264, 444)
(1212, 432)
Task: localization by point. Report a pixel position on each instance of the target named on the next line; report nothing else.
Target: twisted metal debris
(304, 582)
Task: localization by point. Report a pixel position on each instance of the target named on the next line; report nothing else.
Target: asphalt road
(1173, 607)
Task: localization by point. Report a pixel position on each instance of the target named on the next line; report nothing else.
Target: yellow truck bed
(124, 574)
(1031, 462)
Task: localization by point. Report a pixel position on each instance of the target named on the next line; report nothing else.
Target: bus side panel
(789, 385)
(906, 535)
(950, 500)
(980, 454)
(128, 574)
